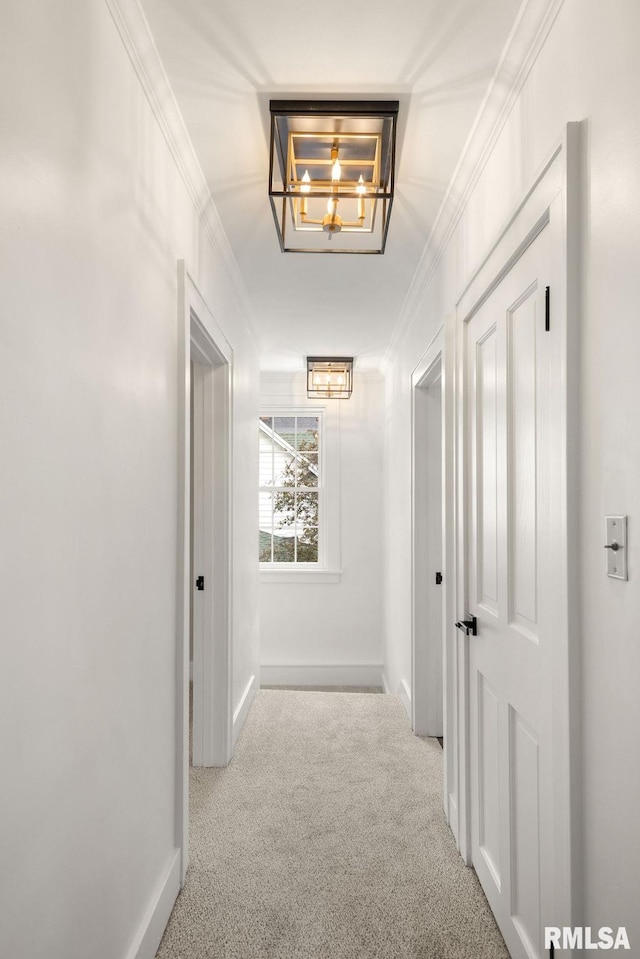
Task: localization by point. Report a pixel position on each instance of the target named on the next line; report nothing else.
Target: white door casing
(515, 527)
(201, 340)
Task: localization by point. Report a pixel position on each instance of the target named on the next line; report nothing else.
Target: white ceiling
(225, 59)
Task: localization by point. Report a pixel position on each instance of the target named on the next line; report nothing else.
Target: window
(290, 488)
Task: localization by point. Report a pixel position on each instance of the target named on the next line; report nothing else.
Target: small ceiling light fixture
(329, 377)
(331, 174)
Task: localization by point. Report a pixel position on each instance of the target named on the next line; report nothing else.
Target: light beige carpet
(330, 689)
(325, 839)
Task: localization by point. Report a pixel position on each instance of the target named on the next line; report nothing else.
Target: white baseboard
(242, 709)
(404, 692)
(452, 815)
(154, 923)
(320, 674)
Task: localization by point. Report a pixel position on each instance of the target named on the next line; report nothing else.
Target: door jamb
(441, 350)
(201, 339)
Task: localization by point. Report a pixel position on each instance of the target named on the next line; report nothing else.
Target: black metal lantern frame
(331, 174)
(329, 377)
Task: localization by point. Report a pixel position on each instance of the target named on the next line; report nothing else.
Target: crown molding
(527, 38)
(135, 33)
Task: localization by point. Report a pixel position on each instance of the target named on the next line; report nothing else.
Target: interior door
(198, 562)
(512, 375)
(428, 583)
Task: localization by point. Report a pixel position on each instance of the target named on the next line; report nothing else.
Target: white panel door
(512, 378)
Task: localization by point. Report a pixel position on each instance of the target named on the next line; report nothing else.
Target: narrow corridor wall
(588, 69)
(94, 216)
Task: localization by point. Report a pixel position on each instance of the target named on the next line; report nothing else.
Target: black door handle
(470, 626)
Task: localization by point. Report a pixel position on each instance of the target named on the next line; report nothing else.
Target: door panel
(509, 366)
(487, 440)
(522, 460)
(489, 777)
(525, 829)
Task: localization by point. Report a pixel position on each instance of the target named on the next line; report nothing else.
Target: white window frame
(318, 490)
(327, 569)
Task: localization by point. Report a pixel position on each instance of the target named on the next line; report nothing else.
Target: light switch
(616, 547)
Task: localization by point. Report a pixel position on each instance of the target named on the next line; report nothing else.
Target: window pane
(284, 507)
(307, 546)
(306, 509)
(265, 511)
(265, 464)
(307, 433)
(307, 470)
(284, 468)
(284, 549)
(285, 428)
(267, 420)
(264, 549)
(265, 524)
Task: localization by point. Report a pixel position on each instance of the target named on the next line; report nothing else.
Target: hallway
(476, 468)
(325, 837)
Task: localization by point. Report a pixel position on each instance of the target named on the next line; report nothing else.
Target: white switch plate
(617, 559)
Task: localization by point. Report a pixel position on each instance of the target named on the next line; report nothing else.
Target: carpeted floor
(330, 689)
(325, 839)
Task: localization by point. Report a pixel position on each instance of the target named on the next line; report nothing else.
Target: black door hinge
(200, 582)
(547, 309)
(438, 579)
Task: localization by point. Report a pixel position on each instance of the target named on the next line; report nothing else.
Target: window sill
(281, 574)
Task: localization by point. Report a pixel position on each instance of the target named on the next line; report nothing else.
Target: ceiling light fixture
(329, 377)
(331, 174)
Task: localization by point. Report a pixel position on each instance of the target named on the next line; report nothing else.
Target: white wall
(587, 69)
(326, 627)
(93, 218)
